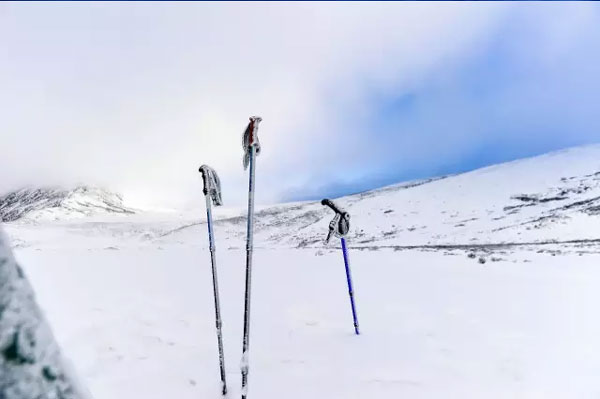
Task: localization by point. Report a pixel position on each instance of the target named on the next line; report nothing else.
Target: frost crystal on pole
(339, 227)
(251, 148)
(212, 192)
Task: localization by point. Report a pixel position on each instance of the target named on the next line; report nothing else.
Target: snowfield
(483, 284)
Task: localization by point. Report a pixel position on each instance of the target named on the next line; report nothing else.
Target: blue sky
(134, 96)
(531, 87)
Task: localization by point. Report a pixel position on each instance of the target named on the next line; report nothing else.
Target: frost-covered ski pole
(339, 227)
(212, 193)
(251, 150)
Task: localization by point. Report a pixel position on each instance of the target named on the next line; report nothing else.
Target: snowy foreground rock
(30, 362)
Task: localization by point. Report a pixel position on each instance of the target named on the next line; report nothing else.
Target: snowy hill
(541, 200)
(549, 198)
(56, 203)
(477, 285)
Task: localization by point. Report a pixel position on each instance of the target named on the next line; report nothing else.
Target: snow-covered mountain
(549, 198)
(50, 203)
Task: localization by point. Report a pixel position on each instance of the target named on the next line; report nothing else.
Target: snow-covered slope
(549, 198)
(478, 285)
(56, 203)
(553, 197)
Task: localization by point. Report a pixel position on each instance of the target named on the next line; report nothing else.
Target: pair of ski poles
(212, 193)
(339, 227)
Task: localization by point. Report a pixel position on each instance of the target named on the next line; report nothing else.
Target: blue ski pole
(339, 226)
(350, 289)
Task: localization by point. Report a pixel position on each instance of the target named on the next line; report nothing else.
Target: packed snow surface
(483, 284)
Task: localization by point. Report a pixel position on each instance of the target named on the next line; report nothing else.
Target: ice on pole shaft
(339, 227)
(212, 193)
(251, 147)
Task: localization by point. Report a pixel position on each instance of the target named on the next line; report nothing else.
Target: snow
(51, 203)
(140, 323)
(31, 365)
(130, 296)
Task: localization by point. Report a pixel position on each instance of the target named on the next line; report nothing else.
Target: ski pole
(251, 147)
(350, 289)
(339, 226)
(212, 193)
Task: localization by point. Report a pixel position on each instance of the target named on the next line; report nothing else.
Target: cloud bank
(135, 96)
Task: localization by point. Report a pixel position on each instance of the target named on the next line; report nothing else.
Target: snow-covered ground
(483, 284)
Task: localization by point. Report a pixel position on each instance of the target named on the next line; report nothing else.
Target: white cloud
(137, 95)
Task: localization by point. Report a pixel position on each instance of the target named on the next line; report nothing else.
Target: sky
(136, 96)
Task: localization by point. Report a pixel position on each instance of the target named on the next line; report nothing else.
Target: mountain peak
(60, 203)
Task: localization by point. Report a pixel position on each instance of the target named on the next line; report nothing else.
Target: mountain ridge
(55, 203)
(548, 198)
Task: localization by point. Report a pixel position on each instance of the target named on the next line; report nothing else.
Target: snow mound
(50, 203)
(30, 362)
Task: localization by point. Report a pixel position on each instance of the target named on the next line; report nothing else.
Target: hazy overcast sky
(135, 96)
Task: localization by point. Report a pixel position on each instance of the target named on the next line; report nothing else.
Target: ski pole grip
(253, 131)
(329, 203)
(204, 173)
(250, 140)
